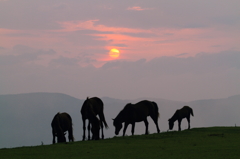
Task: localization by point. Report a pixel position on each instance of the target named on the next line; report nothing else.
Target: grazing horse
(61, 123)
(138, 112)
(184, 112)
(90, 109)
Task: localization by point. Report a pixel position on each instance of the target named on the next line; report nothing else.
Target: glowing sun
(114, 53)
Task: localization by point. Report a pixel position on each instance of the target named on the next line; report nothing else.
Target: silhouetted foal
(185, 112)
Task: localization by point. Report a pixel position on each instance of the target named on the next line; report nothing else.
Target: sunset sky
(180, 50)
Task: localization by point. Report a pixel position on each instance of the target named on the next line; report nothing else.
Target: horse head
(95, 129)
(61, 137)
(118, 126)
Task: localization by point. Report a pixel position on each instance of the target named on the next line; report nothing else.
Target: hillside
(25, 118)
(197, 143)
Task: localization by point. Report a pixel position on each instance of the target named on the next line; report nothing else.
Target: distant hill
(217, 112)
(25, 118)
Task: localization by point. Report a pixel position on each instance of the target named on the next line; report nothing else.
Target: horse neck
(174, 117)
(120, 117)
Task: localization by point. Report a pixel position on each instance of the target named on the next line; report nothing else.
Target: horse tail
(104, 121)
(156, 108)
(158, 114)
(71, 128)
(73, 139)
(191, 111)
(102, 118)
(101, 114)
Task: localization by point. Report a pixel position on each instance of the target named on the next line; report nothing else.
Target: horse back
(92, 105)
(97, 104)
(62, 121)
(142, 110)
(185, 111)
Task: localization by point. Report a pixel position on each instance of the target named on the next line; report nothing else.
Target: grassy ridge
(215, 142)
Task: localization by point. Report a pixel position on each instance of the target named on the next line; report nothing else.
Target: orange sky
(133, 43)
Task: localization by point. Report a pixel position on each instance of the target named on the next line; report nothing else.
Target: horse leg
(95, 133)
(101, 124)
(146, 125)
(125, 128)
(89, 129)
(179, 124)
(53, 133)
(188, 119)
(155, 119)
(133, 128)
(84, 129)
(70, 135)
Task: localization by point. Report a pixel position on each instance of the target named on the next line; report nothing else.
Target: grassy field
(215, 142)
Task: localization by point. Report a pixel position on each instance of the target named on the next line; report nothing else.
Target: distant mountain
(217, 112)
(25, 118)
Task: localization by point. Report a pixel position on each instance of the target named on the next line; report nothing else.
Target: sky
(180, 50)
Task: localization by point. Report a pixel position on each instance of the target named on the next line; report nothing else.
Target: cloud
(200, 64)
(182, 55)
(91, 25)
(199, 77)
(22, 49)
(21, 54)
(64, 61)
(137, 8)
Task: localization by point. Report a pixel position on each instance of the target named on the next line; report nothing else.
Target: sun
(114, 53)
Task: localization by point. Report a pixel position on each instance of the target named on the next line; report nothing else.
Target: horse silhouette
(138, 112)
(184, 112)
(61, 123)
(90, 109)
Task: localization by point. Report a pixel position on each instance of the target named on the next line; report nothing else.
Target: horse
(90, 109)
(184, 112)
(138, 112)
(61, 123)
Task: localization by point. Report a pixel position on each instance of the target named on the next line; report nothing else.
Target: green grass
(215, 142)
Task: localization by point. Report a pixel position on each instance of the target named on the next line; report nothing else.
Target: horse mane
(123, 112)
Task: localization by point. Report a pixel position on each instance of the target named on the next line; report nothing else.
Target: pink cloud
(137, 8)
(90, 25)
(4, 31)
(133, 43)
